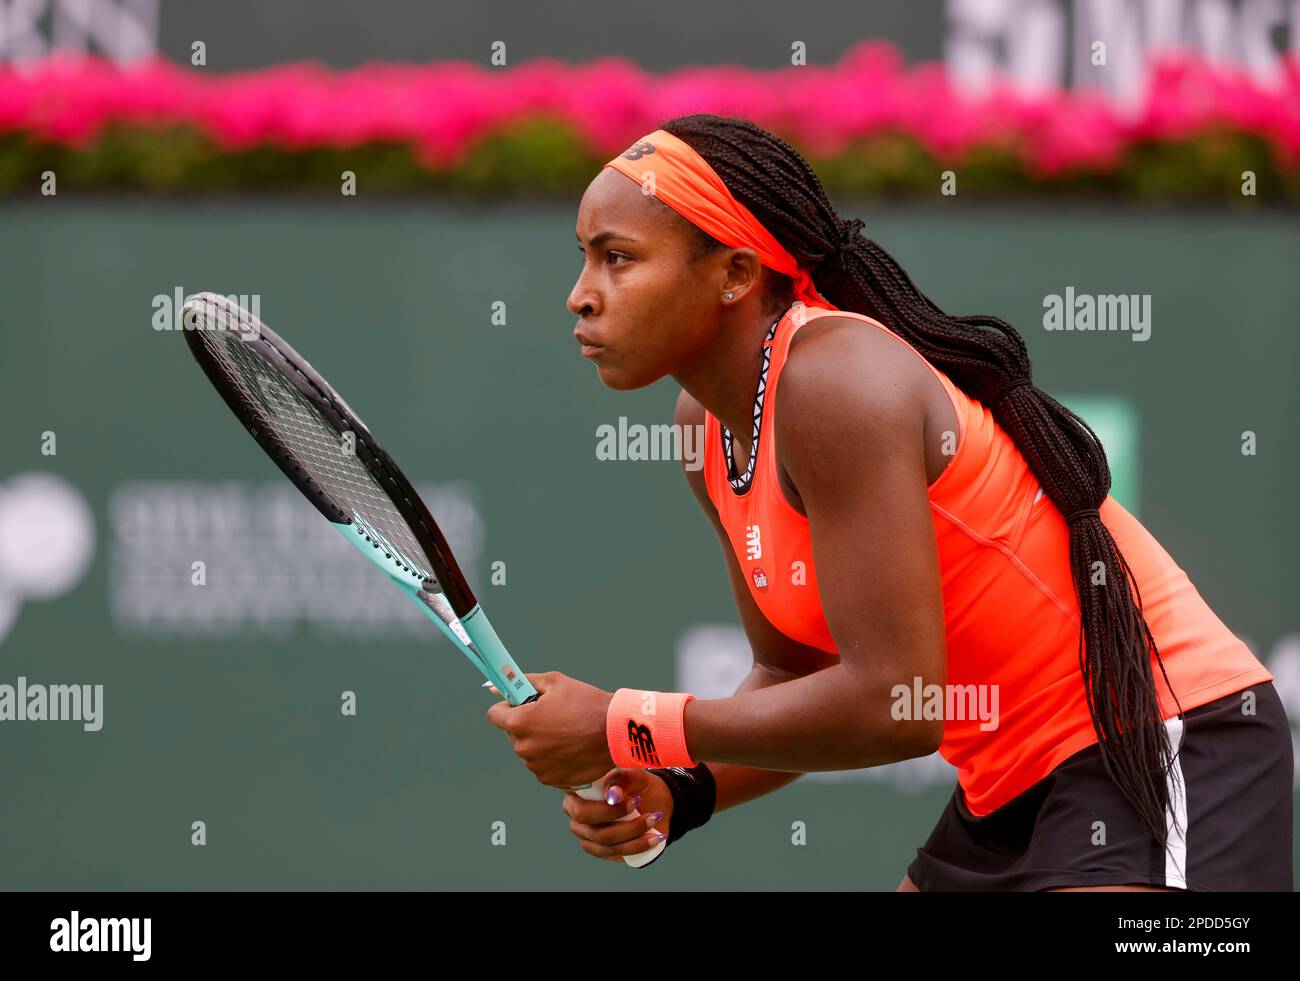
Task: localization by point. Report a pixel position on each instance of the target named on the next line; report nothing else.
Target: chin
(621, 381)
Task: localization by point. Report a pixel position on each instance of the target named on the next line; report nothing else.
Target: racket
(322, 446)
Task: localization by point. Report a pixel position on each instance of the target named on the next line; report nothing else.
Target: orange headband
(683, 180)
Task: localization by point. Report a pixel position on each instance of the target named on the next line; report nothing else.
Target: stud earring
(728, 295)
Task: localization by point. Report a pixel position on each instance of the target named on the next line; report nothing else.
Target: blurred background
(395, 185)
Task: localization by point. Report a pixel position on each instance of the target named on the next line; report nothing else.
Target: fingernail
(613, 795)
(654, 818)
(658, 837)
(636, 799)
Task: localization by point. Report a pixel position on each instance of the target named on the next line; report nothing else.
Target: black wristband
(694, 796)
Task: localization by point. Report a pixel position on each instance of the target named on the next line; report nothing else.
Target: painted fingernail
(613, 795)
(636, 799)
(658, 837)
(654, 818)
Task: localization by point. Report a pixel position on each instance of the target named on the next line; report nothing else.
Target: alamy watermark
(102, 934)
(918, 701)
(53, 703)
(169, 313)
(662, 441)
(1099, 312)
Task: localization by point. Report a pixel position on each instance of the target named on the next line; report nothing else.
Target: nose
(582, 298)
(581, 304)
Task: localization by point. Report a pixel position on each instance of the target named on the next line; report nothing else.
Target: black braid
(987, 358)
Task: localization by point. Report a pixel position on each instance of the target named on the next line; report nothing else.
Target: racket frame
(446, 597)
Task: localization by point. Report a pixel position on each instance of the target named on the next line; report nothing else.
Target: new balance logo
(638, 150)
(753, 543)
(641, 743)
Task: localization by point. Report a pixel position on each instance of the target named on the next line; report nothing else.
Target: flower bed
(870, 125)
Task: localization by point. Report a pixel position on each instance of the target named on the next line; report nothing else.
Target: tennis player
(902, 512)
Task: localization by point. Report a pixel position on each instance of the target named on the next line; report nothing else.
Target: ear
(744, 273)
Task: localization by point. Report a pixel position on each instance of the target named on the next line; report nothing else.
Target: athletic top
(1010, 611)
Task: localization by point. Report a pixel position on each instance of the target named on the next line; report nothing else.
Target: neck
(723, 377)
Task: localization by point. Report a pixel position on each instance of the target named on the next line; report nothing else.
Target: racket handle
(592, 792)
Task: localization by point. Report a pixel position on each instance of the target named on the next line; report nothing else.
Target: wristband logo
(641, 743)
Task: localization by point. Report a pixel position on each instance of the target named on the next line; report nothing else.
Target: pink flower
(442, 109)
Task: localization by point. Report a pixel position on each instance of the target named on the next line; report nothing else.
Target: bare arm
(852, 443)
(738, 784)
(777, 658)
(801, 708)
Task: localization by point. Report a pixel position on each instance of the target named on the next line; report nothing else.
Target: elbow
(911, 740)
(890, 732)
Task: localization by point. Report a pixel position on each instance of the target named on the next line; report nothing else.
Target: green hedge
(181, 160)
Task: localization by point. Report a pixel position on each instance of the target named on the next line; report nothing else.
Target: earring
(728, 295)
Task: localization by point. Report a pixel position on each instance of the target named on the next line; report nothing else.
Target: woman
(1108, 730)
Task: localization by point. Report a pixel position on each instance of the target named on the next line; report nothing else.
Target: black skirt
(1230, 795)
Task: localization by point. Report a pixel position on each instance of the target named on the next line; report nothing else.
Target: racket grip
(593, 792)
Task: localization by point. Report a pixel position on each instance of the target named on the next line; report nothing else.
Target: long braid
(988, 359)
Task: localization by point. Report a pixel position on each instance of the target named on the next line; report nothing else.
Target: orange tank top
(1010, 610)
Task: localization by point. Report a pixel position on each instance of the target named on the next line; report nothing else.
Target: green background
(608, 562)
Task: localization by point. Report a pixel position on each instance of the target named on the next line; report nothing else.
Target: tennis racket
(321, 445)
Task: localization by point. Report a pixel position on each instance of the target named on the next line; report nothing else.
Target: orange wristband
(647, 728)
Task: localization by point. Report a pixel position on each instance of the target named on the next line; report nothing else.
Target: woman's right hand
(598, 827)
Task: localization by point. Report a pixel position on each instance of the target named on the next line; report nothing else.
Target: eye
(609, 256)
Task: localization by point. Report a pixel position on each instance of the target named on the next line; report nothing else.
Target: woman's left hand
(561, 736)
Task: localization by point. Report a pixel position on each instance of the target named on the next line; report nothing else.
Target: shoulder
(847, 389)
(833, 346)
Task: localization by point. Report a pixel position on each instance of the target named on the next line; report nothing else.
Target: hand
(596, 824)
(561, 736)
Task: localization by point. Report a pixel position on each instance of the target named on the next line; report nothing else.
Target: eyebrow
(603, 237)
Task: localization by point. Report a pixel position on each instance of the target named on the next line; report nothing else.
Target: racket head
(303, 425)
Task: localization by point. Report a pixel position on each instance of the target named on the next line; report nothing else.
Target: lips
(588, 344)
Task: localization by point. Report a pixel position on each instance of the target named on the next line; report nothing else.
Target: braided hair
(986, 358)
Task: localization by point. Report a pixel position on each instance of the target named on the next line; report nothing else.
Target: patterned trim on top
(740, 482)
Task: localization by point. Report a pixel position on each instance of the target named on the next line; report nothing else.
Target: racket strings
(313, 444)
(391, 551)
